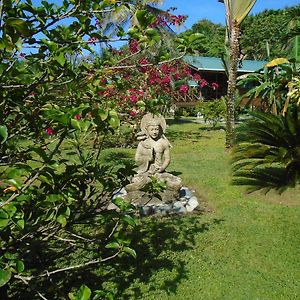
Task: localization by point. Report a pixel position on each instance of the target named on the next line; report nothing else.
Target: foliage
(264, 36)
(212, 111)
(267, 152)
(55, 117)
(266, 155)
(270, 87)
(212, 41)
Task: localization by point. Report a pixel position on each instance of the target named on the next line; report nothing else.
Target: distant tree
(265, 35)
(212, 43)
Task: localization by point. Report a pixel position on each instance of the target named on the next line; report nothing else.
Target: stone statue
(153, 157)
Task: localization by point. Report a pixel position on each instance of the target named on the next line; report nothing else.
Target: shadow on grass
(185, 135)
(213, 128)
(160, 244)
(179, 121)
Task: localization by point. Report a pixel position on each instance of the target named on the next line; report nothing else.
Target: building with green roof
(211, 70)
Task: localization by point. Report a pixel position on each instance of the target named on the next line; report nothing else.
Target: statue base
(186, 203)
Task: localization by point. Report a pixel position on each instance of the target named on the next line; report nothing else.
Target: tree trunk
(231, 90)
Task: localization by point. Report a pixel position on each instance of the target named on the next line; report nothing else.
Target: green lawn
(240, 247)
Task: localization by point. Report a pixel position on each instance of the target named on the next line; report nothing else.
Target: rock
(185, 193)
(191, 204)
(178, 207)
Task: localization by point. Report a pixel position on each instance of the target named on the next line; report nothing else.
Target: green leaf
(20, 266)
(4, 277)
(3, 134)
(4, 219)
(114, 122)
(61, 59)
(21, 223)
(113, 245)
(129, 220)
(15, 183)
(62, 220)
(144, 18)
(130, 251)
(75, 124)
(84, 293)
(103, 114)
(20, 25)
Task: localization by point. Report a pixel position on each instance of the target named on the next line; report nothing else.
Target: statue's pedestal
(138, 198)
(185, 202)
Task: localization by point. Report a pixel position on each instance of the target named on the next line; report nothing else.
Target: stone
(178, 207)
(152, 158)
(192, 203)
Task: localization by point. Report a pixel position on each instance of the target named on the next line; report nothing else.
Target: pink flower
(214, 86)
(184, 89)
(22, 55)
(92, 40)
(197, 77)
(133, 98)
(203, 83)
(49, 131)
(166, 80)
(133, 46)
(176, 76)
(132, 113)
(77, 117)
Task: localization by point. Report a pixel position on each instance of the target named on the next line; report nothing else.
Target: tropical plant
(269, 87)
(236, 11)
(212, 111)
(267, 152)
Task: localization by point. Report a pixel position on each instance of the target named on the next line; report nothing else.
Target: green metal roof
(215, 64)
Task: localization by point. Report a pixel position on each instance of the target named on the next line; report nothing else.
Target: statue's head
(153, 125)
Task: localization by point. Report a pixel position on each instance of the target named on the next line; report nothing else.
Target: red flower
(176, 76)
(165, 68)
(92, 40)
(77, 117)
(133, 98)
(133, 46)
(166, 80)
(184, 89)
(214, 86)
(197, 77)
(132, 113)
(49, 131)
(203, 83)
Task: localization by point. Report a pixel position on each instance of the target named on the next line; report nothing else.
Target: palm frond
(267, 152)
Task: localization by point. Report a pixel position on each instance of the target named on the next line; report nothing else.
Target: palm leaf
(267, 152)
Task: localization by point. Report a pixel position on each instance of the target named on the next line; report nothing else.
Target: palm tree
(127, 14)
(266, 155)
(236, 11)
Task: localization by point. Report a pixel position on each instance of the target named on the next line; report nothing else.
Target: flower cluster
(168, 19)
(134, 46)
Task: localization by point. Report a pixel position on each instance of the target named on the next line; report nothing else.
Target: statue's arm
(167, 158)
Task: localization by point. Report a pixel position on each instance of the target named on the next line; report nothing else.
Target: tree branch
(26, 279)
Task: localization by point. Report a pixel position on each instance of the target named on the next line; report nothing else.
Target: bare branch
(26, 279)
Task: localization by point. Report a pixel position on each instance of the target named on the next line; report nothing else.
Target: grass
(235, 246)
(244, 246)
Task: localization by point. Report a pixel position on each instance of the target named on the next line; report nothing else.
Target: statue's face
(154, 131)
